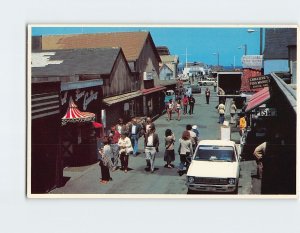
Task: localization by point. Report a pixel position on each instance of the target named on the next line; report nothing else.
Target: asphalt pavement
(85, 180)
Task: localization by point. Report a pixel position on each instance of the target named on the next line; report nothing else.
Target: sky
(201, 44)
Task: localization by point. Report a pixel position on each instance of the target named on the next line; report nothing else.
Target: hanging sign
(252, 61)
(259, 82)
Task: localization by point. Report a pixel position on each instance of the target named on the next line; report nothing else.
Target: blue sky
(202, 44)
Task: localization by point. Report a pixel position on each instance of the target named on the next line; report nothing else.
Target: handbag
(129, 150)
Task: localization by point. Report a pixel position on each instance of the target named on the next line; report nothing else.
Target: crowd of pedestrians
(186, 103)
(122, 143)
(123, 140)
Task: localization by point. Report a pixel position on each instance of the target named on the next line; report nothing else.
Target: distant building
(165, 73)
(162, 50)
(171, 61)
(276, 53)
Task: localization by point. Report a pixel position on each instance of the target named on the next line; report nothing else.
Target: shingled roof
(131, 43)
(73, 61)
(277, 40)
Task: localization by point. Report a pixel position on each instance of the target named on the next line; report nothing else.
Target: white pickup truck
(215, 167)
(206, 82)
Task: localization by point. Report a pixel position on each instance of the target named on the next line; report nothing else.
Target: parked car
(206, 83)
(196, 88)
(215, 167)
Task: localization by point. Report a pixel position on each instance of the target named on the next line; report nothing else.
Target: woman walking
(185, 151)
(105, 161)
(125, 148)
(185, 102)
(178, 109)
(151, 148)
(169, 153)
(170, 109)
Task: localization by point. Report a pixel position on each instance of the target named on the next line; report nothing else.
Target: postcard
(161, 111)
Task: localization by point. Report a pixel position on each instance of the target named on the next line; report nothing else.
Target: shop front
(45, 160)
(123, 106)
(272, 115)
(153, 101)
(80, 125)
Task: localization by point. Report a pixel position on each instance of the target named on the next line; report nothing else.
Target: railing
(288, 92)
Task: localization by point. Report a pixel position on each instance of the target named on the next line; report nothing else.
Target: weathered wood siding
(121, 80)
(148, 62)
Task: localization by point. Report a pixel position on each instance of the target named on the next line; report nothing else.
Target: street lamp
(260, 38)
(244, 46)
(218, 56)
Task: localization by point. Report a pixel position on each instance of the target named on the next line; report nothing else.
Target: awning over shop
(258, 99)
(75, 115)
(97, 125)
(120, 98)
(153, 89)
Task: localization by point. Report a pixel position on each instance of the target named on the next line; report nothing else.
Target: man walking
(215, 86)
(207, 95)
(191, 103)
(134, 134)
(221, 110)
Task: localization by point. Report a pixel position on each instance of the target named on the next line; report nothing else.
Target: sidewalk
(85, 180)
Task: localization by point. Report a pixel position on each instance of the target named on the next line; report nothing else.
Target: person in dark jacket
(207, 95)
(191, 103)
(105, 161)
(151, 148)
(134, 134)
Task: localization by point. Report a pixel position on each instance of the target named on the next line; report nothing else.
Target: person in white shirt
(151, 148)
(125, 148)
(193, 136)
(170, 109)
(221, 110)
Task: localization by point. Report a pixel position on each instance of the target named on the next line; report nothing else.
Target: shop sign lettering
(88, 98)
(267, 112)
(79, 94)
(259, 82)
(63, 100)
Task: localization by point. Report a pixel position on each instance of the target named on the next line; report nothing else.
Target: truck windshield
(215, 153)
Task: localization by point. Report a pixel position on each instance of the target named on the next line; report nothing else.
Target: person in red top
(114, 137)
(185, 102)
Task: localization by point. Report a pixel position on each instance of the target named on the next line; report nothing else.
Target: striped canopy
(75, 115)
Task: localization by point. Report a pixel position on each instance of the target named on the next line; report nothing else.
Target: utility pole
(186, 55)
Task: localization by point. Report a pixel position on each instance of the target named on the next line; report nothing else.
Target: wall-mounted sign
(126, 107)
(262, 111)
(148, 76)
(259, 82)
(89, 97)
(252, 61)
(63, 100)
(79, 94)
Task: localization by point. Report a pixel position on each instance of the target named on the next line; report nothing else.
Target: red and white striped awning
(75, 115)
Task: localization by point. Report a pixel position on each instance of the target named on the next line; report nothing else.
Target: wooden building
(141, 56)
(45, 159)
(276, 52)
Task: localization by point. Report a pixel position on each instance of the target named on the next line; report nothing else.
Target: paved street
(85, 180)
